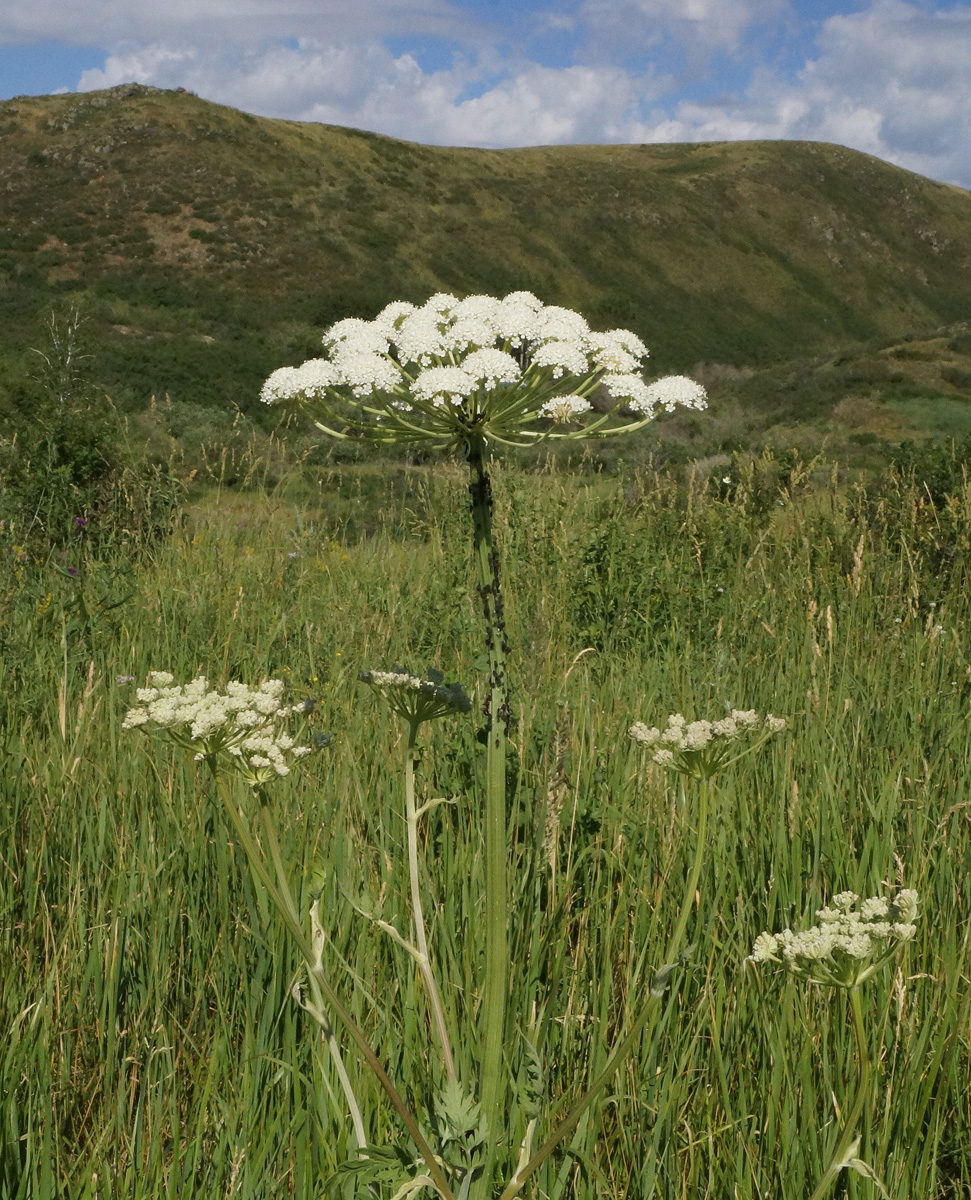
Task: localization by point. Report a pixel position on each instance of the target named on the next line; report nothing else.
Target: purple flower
(292, 554)
(126, 678)
(80, 521)
(72, 570)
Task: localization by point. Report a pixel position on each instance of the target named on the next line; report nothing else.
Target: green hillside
(206, 246)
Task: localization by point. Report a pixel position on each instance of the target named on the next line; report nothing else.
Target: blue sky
(890, 77)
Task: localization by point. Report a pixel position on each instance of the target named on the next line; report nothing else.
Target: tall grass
(150, 1047)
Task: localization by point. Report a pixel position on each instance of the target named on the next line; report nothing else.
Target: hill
(207, 246)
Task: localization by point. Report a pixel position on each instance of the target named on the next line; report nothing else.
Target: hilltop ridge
(208, 246)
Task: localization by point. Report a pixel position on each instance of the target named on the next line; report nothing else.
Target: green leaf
(382, 1165)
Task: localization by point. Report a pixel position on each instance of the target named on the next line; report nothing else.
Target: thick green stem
(424, 963)
(658, 989)
(495, 982)
(284, 903)
(841, 1155)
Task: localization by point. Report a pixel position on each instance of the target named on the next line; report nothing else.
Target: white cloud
(367, 87)
(893, 80)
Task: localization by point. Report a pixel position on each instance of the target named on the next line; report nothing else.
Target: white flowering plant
(700, 749)
(848, 945)
(415, 698)
(470, 375)
(451, 372)
(242, 726)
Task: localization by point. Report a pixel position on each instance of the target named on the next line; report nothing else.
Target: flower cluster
(452, 370)
(700, 748)
(418, 699)
(847, 946)
(241, 725)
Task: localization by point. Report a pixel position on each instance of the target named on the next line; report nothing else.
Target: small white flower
(438, 385)
(700, 748)
(241, 726)
(847, 946)
(564, 408)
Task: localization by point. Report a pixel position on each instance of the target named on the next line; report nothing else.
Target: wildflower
(80, 522)
(454, 372)
(565, 408)
(848, 945)
(241, 726)
(700, 748)
(418, 699)
(125, 679)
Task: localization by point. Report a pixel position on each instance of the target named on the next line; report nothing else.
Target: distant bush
(66, 463)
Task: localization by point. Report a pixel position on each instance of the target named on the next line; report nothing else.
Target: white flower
(366, 373)
(406, 375)
(357, 336)
(242, 726)
(700, 748)
(282, 385)
(563, 357)
(675, 391)
(489, 367)
(562, 324)
(564, 408)
(436, 385)
(847, 946)
(418, 699)
(618, 351)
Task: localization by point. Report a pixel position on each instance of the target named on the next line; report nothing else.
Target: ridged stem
(495, 983)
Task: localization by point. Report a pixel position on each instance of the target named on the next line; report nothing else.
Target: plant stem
(495, 982)
(287, 909)
(424, 963)
(672, 958)
(317, 1008)
(842, 1151)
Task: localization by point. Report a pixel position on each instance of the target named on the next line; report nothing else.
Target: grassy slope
(209, 245)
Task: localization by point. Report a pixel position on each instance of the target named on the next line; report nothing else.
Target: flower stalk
(845, 1152)
(422, 958)
(497, 718)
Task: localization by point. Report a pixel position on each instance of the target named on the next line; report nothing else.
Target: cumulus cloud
(367, 87)
(893, 80)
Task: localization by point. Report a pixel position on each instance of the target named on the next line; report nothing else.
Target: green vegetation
(206, 247)
(151, 1044)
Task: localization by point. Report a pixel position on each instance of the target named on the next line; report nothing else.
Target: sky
(889, 77)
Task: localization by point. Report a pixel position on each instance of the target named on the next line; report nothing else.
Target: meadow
(150, 1045)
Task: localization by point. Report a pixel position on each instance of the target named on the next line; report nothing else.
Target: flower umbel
(848, 945)
(700, 748)
(418, 699)
(241, 726)
(455, 372)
